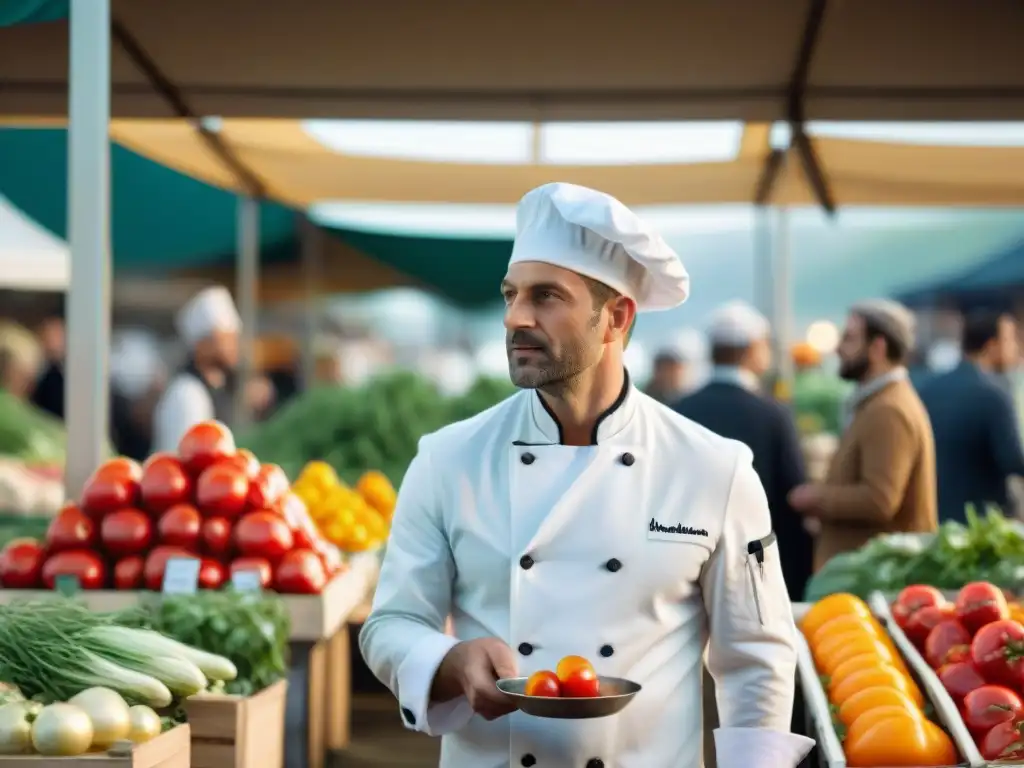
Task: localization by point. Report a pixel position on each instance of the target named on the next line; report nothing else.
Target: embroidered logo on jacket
(683, 530)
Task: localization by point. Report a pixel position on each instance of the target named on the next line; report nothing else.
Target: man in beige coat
(882, 478)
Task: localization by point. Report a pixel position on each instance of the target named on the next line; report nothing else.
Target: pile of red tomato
(977, 650)
(574, 677)
(209, 501)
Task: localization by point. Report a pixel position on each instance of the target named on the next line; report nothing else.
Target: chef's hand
(470, 669)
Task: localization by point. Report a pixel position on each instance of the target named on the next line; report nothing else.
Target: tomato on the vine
(1004, 741)
(980, 603)
(986, 707)
(998, 652)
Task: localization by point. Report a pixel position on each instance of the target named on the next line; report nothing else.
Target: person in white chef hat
(581, 517)
(209, 325)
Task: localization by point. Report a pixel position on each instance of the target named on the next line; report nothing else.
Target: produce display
(976, 647)
(29, 433)
(84, 681)
(208, 501)
(878, 709)
(30, 490)
(375, 426)
(988, 548)
(574, 678)
(353, 519)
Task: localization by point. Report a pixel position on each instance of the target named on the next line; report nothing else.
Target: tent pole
(312, 258)
(782, 303)
(247, 272)
(86, 383)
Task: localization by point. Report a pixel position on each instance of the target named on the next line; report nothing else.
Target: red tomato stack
(978, 653)
(210, 501)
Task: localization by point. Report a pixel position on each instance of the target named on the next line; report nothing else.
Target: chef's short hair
(601, 294)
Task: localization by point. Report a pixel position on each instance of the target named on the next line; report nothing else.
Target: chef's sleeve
(751, 650)
(184, 404)
(403, 640)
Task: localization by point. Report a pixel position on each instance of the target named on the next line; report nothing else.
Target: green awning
(160, 219)
(466, 271)
(14, 12)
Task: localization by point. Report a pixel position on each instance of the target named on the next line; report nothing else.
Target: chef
(209, 325)
(581, 517)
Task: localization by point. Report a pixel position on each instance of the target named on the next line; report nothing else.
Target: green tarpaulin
(14, 12)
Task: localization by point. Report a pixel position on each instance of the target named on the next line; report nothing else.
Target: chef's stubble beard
(556, 375)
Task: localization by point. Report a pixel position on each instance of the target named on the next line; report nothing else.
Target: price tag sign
(67, 585)
(181, 576)
(247, 581)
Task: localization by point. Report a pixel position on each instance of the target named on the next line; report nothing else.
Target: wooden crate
(237, 731)
(168, 750)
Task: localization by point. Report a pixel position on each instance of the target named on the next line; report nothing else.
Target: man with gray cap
(731, 404)
(882, 478)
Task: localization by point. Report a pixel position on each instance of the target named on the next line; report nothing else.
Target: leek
(152, 643)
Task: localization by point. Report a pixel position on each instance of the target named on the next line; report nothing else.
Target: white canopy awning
(31, 258)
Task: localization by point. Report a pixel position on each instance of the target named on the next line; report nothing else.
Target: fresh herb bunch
(989, 548)
(249, 628)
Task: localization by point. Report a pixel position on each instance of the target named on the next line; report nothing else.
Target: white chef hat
(593, 234)
(135, 363)
(212, 309)
(737, 324)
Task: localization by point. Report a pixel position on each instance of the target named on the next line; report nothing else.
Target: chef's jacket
(637, 552)
(187, 401)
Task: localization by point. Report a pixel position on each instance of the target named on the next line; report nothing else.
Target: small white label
(181, 576)
(247, 581)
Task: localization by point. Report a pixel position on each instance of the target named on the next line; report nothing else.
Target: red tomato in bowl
(222, 491)
(156, 564)
(268, 487)
(543, 683)
(205, 444)
(164, 483)
(924, 620)
(126, 532)
(579, 682)
(300, 572)
(21, 564)
(960, 678)
(180, 526)
(263, 534)
(84, 565)
(114, 485)
(211, 574)
(259, 564)
(980, 603)
(70, 529)
(986, 707)
(998, 652)
(912, 599)
(216, 536)
(946, 638)
(128, 572)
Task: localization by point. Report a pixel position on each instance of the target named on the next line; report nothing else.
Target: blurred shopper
(977, 440)
(732, 405)
(137, 379)
(21, 358)
(882, 478)
(49, 389)
(209, 326)
(668, 377)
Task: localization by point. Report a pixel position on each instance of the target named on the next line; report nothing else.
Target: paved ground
(380, 741)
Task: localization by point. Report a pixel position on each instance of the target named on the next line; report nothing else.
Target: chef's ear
(622, 319)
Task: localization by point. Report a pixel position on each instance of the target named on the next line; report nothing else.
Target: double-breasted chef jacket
(636, 552)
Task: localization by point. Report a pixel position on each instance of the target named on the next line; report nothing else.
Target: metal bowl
(616, 693)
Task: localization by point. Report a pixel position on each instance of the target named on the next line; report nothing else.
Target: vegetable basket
(823, 727)
(171, 749)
